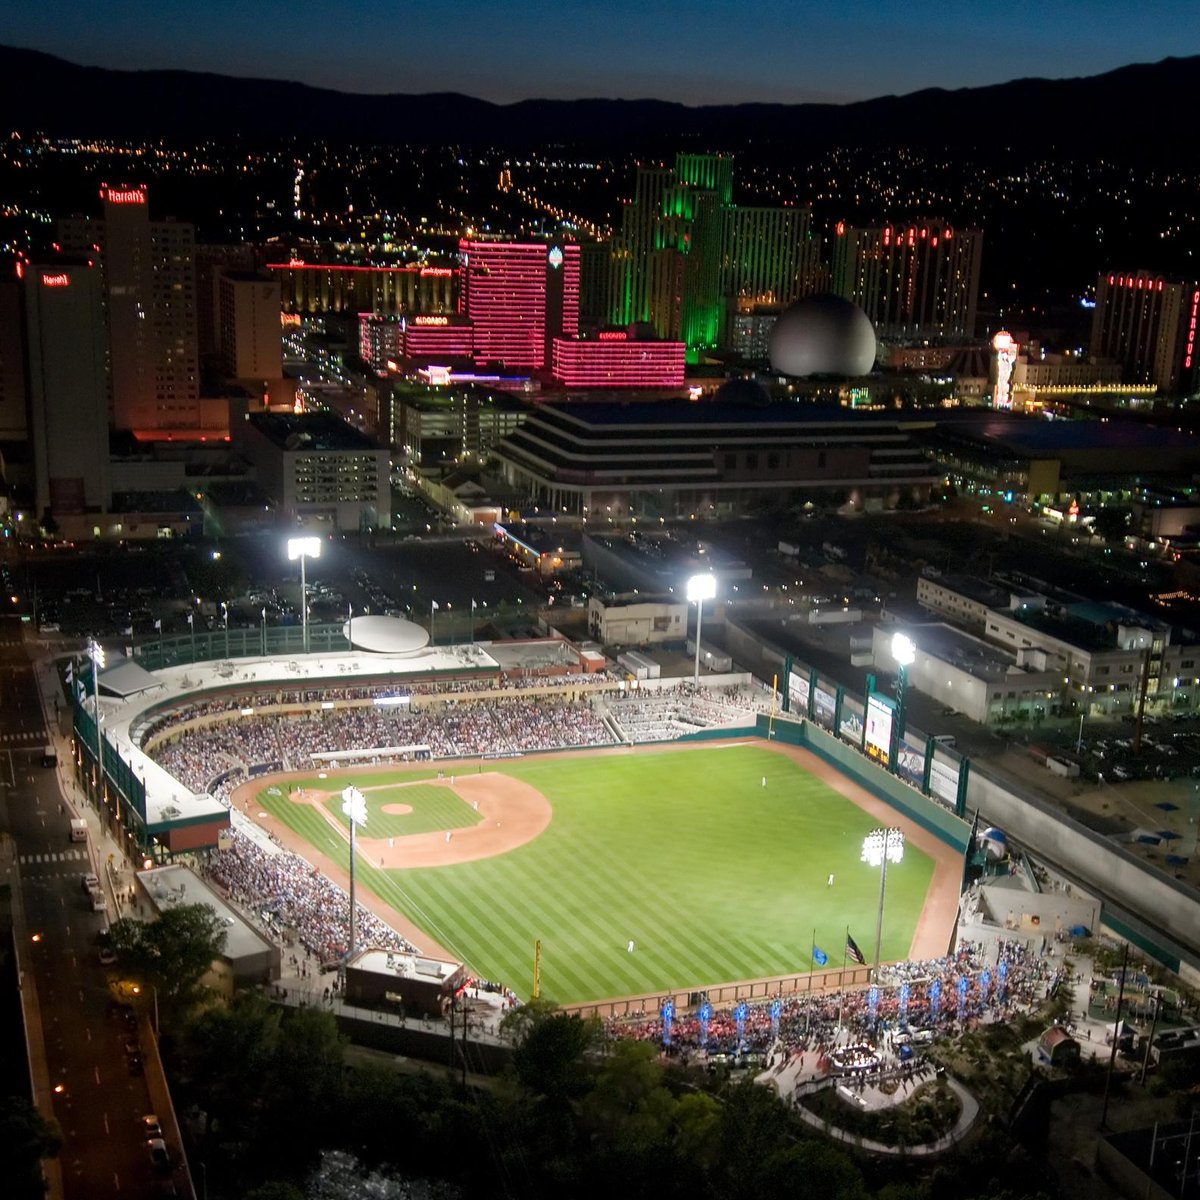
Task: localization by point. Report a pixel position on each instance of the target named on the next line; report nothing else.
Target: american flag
(852, 951)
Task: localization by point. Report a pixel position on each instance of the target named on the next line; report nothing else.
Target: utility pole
(1141, 704)
(1150, 1039)
(1112, 1058)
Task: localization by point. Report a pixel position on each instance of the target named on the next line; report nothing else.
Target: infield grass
(712, 876)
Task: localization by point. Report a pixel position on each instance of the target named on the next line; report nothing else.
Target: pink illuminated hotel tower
(519, 296)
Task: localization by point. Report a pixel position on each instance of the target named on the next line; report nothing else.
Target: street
(101, 1102)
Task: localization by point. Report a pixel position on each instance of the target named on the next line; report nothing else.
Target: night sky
(702, 51)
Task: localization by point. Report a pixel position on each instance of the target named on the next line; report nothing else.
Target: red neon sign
(439, 272)
(613, 335)
(132, 196)
(60, 280)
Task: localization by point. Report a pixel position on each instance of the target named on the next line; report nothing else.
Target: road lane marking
(106, 1122)
(96, 1072)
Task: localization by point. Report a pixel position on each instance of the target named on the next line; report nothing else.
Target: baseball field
(709, 873)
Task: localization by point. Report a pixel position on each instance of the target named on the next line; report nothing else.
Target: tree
(26, 1137)
(549, 1058)
(229, 1052)
(171, 954)
(303, 1086)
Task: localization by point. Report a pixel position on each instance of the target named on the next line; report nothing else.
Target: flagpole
(812, 962)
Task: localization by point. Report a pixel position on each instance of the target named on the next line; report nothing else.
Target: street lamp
(96, 654)
(354, 805)
(304, 548)
(264, 631)
(192, 627)
(904, 651)
(225, 614)
(880, 847)
(433, 607)
(699, 589)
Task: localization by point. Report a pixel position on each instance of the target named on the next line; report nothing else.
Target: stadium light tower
(699, 589)
(304, 548)
(354, 805)
(880, 847)
(904, 651)
(96, 654)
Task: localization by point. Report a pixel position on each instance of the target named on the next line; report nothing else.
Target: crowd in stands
(293, 898)
(459, 729)
(231, 702)
(819, 1021)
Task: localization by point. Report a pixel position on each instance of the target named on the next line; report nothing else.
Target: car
(160, 1156)
(89, 883)
(107, 956)
(151, 1126)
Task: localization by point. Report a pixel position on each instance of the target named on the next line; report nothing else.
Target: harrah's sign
(127, 197)
(61, 280)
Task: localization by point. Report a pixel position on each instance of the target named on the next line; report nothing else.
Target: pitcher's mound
(396, 810)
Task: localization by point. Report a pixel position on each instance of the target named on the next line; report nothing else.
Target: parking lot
(140, 590)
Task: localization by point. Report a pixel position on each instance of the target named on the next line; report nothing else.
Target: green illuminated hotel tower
(687, 257)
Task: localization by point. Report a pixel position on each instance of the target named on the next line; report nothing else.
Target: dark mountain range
(1140, 108)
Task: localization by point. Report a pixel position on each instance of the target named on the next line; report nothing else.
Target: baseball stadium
(526, 812)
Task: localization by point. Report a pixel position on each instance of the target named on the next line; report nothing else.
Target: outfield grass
(434, 807)
(712, 876)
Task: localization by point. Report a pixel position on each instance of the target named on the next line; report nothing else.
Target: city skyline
(708, 52)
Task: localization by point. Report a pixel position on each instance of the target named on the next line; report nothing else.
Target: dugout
(415, 982)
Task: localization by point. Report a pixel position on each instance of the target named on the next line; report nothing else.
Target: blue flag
(819, 956)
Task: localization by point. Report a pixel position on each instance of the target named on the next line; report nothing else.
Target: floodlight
(354, 805)
(304, 547)
(904, 650)
(701, 587)
(880, 844)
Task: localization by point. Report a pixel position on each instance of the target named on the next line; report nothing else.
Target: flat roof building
(670, 457)
(249, 333)
(316, 467)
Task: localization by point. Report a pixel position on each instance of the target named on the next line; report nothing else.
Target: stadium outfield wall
(893, 791)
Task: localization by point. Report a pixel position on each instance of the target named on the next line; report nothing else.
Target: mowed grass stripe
(713, 876)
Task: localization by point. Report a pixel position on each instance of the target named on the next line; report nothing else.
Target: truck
(78, 829)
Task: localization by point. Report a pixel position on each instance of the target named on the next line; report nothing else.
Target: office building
(317, 289)
(618, 358)
(317, 468)
(450, 425)
(149, 288)
(914, 280)
(519, 296)
(211, 260)
(687, 258)
(1091, 657)
(379, 340)
(249, 330)
(68, 390)
(1148, 325)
